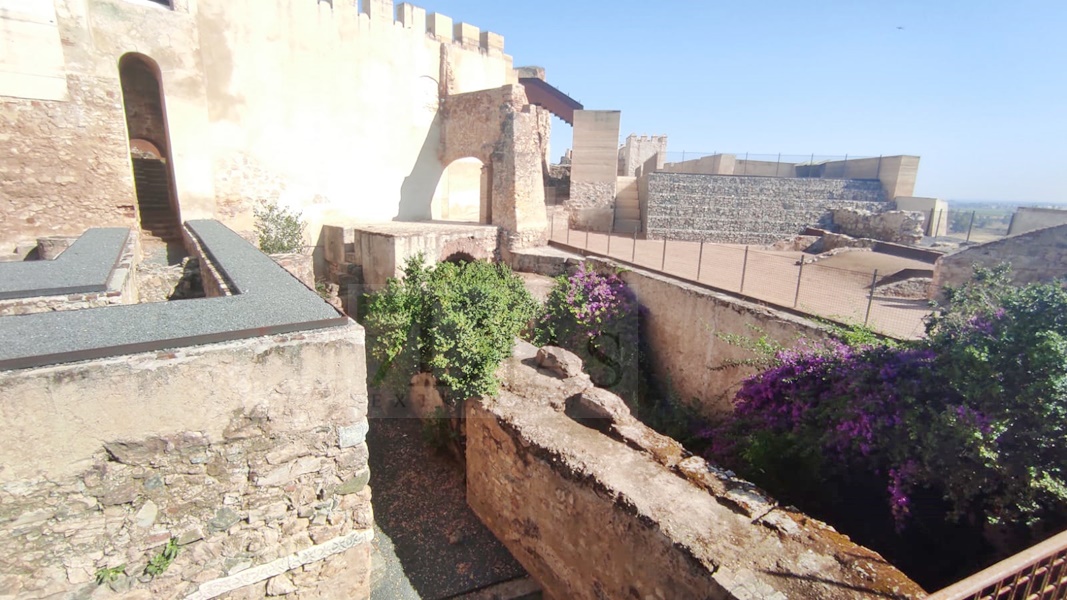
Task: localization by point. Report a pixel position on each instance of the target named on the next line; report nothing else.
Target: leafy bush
(595, 316)
(976, 413)
(456, 321)
(278, 229)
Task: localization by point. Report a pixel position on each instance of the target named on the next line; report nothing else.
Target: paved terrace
(264, 300)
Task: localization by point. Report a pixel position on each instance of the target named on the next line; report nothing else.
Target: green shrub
(278, 229)
(455, 321)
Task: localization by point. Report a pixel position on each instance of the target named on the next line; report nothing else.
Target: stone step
(627, 225)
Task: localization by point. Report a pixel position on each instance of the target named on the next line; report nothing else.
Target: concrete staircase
(627, 206)
(158, 220)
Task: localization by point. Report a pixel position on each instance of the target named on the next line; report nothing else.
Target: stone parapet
(248, 456)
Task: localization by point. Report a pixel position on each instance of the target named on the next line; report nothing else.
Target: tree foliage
(456, 321)
(975, 413)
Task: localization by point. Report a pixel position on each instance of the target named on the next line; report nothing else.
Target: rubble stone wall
(748, 210)
(1039, 255)
(897, 226)
(612, 509)
(248, 456)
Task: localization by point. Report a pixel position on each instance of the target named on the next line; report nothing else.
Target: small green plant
(107, 575)
(160, 562)
(437, 430)
(278, 229)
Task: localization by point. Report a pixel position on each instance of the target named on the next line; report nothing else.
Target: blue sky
(977, 88)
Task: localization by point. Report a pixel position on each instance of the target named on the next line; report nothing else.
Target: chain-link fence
(783, 279)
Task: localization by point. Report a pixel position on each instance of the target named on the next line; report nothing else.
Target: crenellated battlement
(436, 25)
(646, 138)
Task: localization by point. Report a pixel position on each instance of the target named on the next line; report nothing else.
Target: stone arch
(500, 128)
(144, 105)
(462, 193)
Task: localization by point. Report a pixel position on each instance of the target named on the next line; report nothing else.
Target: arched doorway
(462, 193)
(153, 174)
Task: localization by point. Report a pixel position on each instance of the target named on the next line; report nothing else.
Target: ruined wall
(1039, 255)
(1029, 219)
(251, 455)
(897, 226)
(622, 512)
(683, 325)
(748, 210)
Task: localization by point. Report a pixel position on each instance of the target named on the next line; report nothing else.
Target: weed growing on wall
(455, 321)
(278, 229)
(595, 315)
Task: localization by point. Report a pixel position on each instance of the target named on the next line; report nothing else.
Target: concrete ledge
(266, 300)
(83, 268)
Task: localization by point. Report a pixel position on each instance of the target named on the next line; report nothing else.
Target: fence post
(971, 226)
(930, 231)
(777, 164)
(744, 269)
(568, 231)
(800, 276)
(870, 298)
(700, 260)
(745, 170)
(586, 246)
(552, 231)
(633, 252)
(663, 263)
(938, 226)
(611, 232)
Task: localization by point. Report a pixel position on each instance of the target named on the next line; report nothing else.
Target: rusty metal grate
(1039, 573)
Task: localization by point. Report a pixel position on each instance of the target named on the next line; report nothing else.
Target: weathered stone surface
(424, 398)
(898, 226)
(563, 363)
(598, 408)
(355, 484)
(591, 517)
(175, 467)
(1035, 256)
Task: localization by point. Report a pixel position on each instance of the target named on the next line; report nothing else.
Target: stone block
(439, 26)
(492, 42)
(353, 435)
(466, 34)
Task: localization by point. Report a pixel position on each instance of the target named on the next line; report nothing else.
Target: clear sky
(977, 88)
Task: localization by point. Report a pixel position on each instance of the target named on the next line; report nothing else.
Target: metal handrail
(1039, 573)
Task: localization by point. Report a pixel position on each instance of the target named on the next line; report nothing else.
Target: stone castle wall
(249, 455)
(295, 102)
(748, 210)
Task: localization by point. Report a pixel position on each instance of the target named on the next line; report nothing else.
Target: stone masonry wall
(122, 288)
(249, 456)
(1040, 255)
(748, 210)
(613, 510)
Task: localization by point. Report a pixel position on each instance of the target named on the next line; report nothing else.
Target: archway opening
(463, 193)
(153, 175)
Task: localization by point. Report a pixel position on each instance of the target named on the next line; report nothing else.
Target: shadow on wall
(416, 193)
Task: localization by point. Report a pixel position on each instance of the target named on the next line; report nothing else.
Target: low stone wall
(683, 327)
(1040, 255)
(748, 210)
(249, 455)
(122, 285)
(613, 510)
(897, 226)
